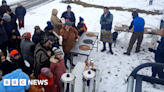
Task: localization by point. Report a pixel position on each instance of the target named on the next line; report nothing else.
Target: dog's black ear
(115, 35)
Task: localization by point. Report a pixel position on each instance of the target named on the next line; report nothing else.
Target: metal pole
(65, 87)
(130, 84)
(71, 61)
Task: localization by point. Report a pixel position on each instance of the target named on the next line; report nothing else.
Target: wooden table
(125, 27)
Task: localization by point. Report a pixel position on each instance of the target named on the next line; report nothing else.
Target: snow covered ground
(10, 2)
(139, 4)
(117, 67)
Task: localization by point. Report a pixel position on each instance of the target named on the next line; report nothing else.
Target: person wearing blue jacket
(9, 25)
(37, 35)
(106, 22)
(15, 74)
(159, 56)
(137, 24)
(20, 12)
(3, 38)
(69, 16)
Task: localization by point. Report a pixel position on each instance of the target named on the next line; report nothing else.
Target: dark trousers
(3, 47)
(158, 71)
(110, 46)
(80, 33)
(135, 36)
(67, 56)
(21, 23)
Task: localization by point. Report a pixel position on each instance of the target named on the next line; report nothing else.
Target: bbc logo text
(24, 82)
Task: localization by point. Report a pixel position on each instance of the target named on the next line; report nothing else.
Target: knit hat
(45, 71)
(135, 14)
(68, 23)
(26, 36)
(68, 7)
(1, 19)
(49, 26)
(6, 16)
(44, 40)
(81, 19)
(8, 10)
(51, 38)
(14, 53)
(36, 28)
(4, 1)
(57, 51)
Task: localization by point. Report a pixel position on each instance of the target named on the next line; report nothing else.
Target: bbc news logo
(24, 82)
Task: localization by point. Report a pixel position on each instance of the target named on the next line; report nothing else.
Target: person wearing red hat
(27, 48)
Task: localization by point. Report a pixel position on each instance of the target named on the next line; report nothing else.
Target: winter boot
(128, 54)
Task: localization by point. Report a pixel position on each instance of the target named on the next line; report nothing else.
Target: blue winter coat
(159, 53)
(106, 23)
(9, 27)
(3, 35)
(20, 12)
(17, 74)
(37, 37)
(71, 18)
(138, 24)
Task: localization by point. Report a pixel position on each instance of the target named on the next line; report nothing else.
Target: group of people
(46, 60)
(42, 50)
(137, 25)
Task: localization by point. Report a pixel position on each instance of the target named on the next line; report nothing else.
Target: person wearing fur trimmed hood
(57, 66)
(81, 27)
(57, 24)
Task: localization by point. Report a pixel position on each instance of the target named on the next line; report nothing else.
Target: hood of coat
(53, 60)
(54, 12)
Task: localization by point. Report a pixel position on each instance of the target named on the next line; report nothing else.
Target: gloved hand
(151, 50)
(158, 41)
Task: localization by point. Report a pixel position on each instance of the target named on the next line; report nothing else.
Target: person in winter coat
(57, 66)
(37, 35)
(15, 74)
(18, 62)
(3, 38)
(69, 35)
(14, 42)
(49, 32)
(106, 22)
(53, 41)
(13, 17)
(9, 25)
(69, 16)
(27, 48)
(162, 21)
(150, 2)
(56, 21)
(5, 65)
(138, 24)
(20, 12)
(81, 27)
(4, 7)
(159, 56)
(42, 54)
(46, 74)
